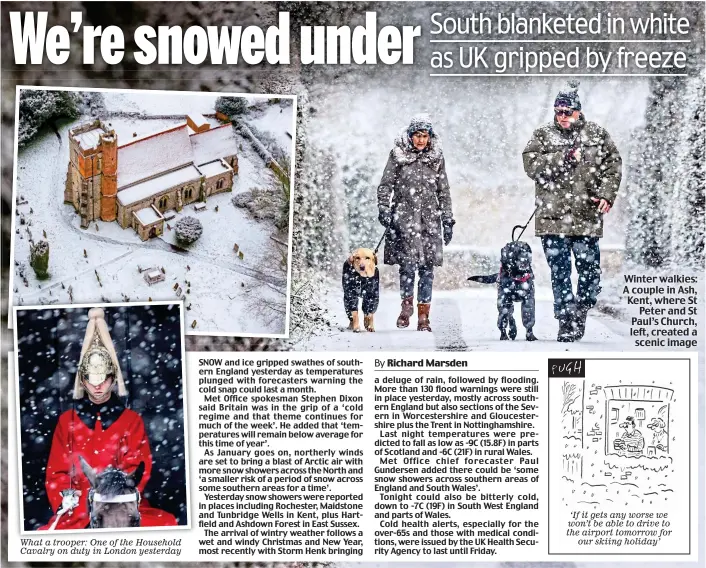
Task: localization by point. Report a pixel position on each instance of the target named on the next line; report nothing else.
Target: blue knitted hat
(420, 122)
(568, 96)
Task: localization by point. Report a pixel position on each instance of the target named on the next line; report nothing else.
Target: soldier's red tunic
(105, 435)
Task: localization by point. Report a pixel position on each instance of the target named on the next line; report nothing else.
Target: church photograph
(124, 195)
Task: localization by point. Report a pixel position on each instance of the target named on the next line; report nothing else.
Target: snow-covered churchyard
(146, 196)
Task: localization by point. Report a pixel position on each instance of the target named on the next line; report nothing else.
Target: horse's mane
(113, 481)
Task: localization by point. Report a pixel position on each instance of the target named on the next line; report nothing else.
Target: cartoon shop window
(644, 429)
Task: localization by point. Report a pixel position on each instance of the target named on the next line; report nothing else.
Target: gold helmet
(96, 364)
(98, 357)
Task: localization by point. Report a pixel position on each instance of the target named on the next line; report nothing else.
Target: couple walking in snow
(576, 168)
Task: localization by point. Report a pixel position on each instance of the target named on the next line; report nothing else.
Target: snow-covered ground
(484, 125)
(226, 294)
(168, 103)
(272, 120)
(462, 320)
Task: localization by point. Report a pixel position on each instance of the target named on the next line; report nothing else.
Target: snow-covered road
(464, 320)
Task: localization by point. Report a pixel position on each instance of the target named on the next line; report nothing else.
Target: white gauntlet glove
(69, 501)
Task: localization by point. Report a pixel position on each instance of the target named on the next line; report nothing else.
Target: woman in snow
(101, 430)
(414, 205)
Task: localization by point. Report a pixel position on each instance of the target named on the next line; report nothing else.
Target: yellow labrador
(361, 281)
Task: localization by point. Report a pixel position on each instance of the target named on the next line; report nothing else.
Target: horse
(113, 500)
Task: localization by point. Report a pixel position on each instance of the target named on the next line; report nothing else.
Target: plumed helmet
(96, 363)
(98, 356)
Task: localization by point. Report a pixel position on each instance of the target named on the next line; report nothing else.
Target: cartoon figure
(632, 442)
(659, 434)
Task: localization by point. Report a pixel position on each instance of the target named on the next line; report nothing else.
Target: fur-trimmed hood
(405, 153)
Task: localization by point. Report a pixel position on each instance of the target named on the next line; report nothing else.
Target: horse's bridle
(95, 497)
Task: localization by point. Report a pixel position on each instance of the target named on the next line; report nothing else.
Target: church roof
(153, 154)
(214, 168)
(214, 144)
(156, 185)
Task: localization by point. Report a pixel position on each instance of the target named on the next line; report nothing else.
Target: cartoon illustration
(616, 441)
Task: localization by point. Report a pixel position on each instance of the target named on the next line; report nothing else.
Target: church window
(163, 202)
(219, 184)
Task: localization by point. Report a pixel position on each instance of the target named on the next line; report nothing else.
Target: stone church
(136, 182)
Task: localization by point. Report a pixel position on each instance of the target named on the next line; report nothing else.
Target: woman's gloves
(448, 225)
(385, 218)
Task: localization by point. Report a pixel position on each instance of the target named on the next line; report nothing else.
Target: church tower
(91, 180)
(108, 149)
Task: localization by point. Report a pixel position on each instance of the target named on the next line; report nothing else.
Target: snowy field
(223, 293)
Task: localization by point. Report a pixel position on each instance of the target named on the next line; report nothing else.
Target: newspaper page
(353, 283)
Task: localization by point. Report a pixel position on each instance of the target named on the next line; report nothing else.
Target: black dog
(515, 284)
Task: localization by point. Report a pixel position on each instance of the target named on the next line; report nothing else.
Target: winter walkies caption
(664, 310)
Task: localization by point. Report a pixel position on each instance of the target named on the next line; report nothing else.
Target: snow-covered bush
(271, 144)
(261, 203)
(665, 189)
(39, 259)
(39, 107)
(188, 230)
(231, 106)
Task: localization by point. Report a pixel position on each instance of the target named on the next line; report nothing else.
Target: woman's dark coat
(415, 190)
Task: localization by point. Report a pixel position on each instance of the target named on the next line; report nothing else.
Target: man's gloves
(385, 218)
(448, 225)
(572, 156)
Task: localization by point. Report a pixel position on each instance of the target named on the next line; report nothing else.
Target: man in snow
(100, 429)
(577, 170)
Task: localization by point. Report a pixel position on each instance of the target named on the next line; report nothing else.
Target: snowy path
(464, 320)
